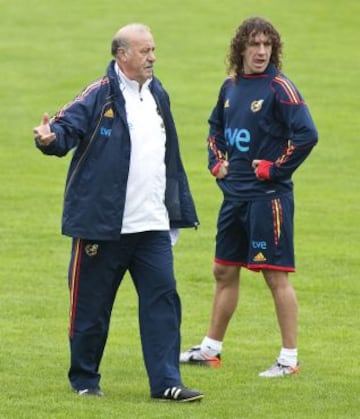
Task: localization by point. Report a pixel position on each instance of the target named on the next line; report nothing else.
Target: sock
(288, 357)
(210, 346)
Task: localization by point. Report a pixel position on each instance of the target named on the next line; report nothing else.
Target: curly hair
(246, 31)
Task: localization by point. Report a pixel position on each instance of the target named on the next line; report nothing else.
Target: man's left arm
(296, 116)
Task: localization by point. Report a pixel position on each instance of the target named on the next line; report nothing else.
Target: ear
(121, 55)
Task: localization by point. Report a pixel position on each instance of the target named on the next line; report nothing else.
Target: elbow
(314, 136)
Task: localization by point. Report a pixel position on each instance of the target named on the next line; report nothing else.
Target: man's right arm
(68, 127)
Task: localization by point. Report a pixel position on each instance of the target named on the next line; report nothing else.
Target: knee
(226, 274)
(277, 280)
(219, 272)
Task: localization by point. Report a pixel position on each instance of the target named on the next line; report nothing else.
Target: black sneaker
(179, 394)
(96, 391)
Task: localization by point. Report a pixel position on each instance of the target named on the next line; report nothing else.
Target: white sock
(210, 346)
(288, 357)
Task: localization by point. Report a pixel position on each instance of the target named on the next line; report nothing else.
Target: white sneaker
(278, 370)
(195, 356)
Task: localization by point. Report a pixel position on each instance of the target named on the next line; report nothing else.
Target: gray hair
(121, 37)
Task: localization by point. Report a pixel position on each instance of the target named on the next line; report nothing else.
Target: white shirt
(145, 194)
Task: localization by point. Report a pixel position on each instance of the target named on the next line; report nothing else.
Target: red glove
(263, 169)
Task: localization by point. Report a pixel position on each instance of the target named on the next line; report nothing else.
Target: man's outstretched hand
(43, 134)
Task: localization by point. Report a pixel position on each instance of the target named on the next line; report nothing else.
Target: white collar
(126, 83)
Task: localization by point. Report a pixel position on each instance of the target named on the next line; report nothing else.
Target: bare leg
(225, 299)
(285, 305)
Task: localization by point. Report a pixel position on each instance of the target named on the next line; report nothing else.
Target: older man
(125, 189)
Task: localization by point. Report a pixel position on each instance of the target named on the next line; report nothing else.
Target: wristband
(216, 168)
(263, 169)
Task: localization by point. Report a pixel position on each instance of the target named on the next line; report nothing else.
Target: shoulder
(226, 85)
(158, 89)
(100, 84)
(88, 97)
(156, 84)
(286, 89)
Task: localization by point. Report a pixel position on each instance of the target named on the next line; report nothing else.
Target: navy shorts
(257, 234)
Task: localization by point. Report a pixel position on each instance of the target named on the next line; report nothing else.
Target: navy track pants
(95, 273)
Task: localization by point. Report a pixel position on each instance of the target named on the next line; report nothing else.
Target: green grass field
(49, 52)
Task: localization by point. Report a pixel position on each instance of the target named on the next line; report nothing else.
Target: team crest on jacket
(91, 249)
(256, 105)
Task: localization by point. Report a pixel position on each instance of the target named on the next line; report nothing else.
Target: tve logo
(258, 245)
(238, 137)
(106, 132)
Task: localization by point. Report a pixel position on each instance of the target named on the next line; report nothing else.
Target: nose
(262, 49)
(151, 56)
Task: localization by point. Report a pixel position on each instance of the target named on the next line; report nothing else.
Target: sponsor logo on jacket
(239, 138)
(105, 132)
